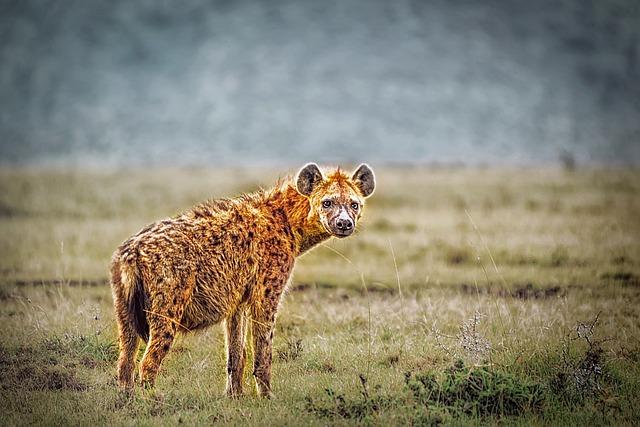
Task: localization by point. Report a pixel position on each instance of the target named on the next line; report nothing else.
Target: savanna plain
(467, 296)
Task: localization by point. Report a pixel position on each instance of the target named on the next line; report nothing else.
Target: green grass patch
(476, 391)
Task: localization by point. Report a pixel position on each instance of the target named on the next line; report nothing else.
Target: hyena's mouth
(342, 234)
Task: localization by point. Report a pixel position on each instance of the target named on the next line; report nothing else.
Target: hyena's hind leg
(164, 318)
(161, 337)
(127, 337)
(128, 343)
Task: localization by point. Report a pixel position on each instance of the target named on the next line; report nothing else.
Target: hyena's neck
(306, 227)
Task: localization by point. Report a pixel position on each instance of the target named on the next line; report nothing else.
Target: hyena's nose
(344, 224)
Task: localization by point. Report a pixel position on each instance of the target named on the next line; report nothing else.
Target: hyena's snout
(343, 225)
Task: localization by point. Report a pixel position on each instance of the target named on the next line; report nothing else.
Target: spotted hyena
(227, 260)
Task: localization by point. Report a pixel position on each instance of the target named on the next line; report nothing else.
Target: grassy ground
(468, 296)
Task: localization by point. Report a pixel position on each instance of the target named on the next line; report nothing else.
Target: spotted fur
(226, 260)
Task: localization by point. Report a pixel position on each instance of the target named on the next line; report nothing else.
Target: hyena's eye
(326, 204)
(355, 206)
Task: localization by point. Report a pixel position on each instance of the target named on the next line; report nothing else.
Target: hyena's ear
(307, 179)
(364, 179)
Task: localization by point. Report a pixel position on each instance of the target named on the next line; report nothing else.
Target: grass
(408, 322)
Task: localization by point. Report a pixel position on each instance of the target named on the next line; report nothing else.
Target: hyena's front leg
(235, 339)
(262, 325)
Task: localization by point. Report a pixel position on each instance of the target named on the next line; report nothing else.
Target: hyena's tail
(130, 298)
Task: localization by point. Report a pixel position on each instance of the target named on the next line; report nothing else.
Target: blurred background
(188, 83)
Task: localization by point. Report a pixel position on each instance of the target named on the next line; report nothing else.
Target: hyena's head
(336, 197)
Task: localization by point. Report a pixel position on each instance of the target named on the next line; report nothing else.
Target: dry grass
(565, 245)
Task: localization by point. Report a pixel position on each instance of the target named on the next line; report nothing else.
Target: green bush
(476, 391)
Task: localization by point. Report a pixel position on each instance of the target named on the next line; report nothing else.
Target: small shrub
(475, 346)
(470, 343)
(582, 375)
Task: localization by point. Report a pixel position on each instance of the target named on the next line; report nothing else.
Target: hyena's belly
(197, 316)
(211, 304)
